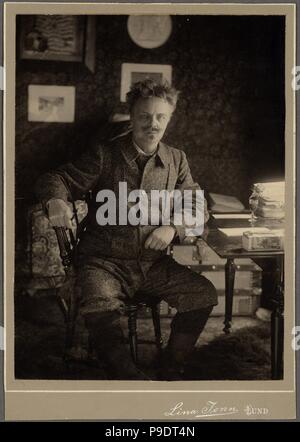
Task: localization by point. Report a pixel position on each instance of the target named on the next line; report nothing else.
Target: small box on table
(265, 240)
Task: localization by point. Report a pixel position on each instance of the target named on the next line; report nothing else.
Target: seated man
(118, 258)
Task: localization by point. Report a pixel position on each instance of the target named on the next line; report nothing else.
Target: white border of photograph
(129, 68)
(51, 104)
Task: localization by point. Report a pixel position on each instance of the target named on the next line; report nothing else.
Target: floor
(39, 346)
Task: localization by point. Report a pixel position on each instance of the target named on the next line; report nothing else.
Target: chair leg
(69, 311)
(70, 325)
(62, 306)
(155, 309)
(132, 331)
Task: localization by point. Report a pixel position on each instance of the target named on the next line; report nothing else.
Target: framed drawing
(133, 72)
(51, 104)
(58, 38)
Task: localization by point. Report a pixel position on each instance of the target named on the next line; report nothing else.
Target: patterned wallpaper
(229, 119)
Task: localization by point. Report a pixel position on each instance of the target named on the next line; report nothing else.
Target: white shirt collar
(141, 152)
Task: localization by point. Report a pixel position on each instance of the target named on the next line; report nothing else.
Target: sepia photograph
(152, 231)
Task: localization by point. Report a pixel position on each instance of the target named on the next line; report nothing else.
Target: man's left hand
(160, 238)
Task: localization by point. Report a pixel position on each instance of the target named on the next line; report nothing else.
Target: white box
(242, 305)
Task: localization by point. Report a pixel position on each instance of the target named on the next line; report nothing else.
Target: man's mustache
(152, 129)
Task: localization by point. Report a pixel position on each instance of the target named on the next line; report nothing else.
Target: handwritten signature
(209, 409)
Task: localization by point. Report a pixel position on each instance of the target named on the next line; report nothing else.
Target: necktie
(141, 161)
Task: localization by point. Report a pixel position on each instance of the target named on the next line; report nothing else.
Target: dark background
(229, 119)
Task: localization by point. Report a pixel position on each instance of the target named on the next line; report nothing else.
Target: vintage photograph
(150, 199)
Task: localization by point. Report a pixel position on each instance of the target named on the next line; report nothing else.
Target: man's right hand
(60, 214)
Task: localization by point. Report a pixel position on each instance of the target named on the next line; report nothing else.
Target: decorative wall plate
(149, 31)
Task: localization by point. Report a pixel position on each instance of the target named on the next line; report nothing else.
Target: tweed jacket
(104, 166)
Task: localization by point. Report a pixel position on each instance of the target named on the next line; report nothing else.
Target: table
(230, 248)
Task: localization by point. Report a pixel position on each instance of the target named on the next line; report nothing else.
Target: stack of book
(225, 203)
(270, 199)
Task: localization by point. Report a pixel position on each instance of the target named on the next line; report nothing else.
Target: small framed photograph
(51, 104)
(133, 72)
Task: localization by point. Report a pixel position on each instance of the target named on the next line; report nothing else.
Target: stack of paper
(270, 199)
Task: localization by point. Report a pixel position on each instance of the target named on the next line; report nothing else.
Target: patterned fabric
(44, 251)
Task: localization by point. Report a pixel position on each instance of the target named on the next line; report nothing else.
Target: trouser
(107, 332)
(106, 284)
(185, 330)
(108, 341)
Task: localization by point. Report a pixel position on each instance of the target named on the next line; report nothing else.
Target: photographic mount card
(209, 123)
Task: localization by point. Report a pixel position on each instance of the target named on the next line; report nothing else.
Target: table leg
(277, 325)
(229, 287)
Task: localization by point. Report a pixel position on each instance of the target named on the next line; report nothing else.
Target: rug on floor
(242, 355)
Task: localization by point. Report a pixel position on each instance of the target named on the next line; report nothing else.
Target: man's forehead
(153, 104)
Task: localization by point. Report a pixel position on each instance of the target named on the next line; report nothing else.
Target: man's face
(150, 118)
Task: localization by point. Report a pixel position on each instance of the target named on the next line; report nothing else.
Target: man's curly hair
(149, 88)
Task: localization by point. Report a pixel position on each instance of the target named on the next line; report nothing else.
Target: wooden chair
(67, 246)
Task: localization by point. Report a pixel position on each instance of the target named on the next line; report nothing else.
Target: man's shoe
(110, 347)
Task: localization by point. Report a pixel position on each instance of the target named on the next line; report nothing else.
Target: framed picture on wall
(58, 38)
(51, 104)
(149, 31)
(133, 72)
